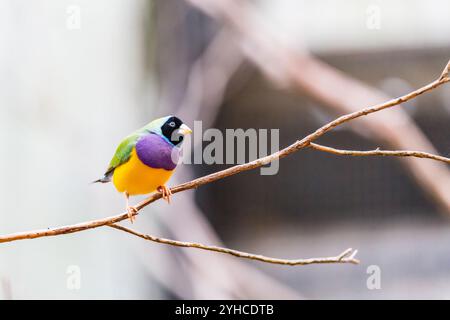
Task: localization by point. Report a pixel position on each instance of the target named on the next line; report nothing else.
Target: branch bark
(379, 152)
(348, 256)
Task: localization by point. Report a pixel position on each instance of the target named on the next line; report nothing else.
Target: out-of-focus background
(77, 76)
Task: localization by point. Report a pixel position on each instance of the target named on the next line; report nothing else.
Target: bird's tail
(106, 178)
(102, 180)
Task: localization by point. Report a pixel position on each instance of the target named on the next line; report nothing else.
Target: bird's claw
(132, 211)
(166, 193)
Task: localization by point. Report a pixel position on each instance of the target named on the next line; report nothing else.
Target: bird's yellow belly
(134, 177)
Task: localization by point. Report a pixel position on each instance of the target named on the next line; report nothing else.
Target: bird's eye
(172, 124)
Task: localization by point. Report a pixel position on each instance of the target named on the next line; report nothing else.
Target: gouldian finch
(145, 160)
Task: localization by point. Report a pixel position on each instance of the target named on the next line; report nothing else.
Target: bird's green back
(123, 151)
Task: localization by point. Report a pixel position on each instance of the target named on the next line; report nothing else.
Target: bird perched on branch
(145, 160)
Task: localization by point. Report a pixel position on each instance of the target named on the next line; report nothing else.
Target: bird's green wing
(122, 154)
(123, 151)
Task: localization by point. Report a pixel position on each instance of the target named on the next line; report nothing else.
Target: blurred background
(78, 76)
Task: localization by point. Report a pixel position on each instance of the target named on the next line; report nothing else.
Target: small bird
(146, 159)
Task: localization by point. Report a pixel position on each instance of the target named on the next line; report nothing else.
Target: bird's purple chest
(156, 152)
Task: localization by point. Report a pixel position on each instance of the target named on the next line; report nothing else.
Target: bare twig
(348, 256)
(379, 152)
(446, 72)
(305, 142)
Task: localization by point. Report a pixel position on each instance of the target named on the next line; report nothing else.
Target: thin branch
(446, 72)
(378, 152)
(348, 256)
(305, 142)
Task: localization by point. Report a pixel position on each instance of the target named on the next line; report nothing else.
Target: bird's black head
(174, 130)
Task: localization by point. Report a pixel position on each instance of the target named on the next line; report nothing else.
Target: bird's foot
(166, 193)
(132, 211)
